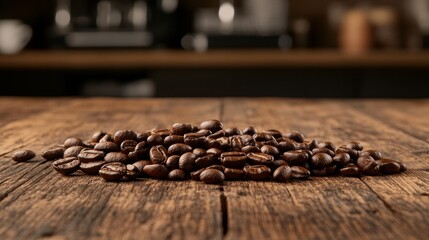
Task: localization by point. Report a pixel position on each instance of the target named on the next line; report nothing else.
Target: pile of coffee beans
(211, 153)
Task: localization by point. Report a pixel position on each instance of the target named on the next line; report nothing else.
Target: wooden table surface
(36, 202)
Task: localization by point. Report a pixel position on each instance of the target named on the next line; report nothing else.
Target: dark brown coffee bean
(91, 168)
(234, 174)
(353, 153)
(233, 159)
(341, 159)
(212, 143)
(260, 158)
(73, 141)
(249, 149)
(354, 145)
(257, 172)
(132, 172)
(195, 140)
(312, 144)
(89, 144)
(187, 162)
(250, 130)
(72, 151)
(172, 162)
(295, 136)
(295, 157)
(402, 166)
(128, 146)
(225, 143)
(142, 136)
(323, 150)
(97, 136)
(154, 140)
(162, 132)
(277, 163)
(181, 128)
(141, 151)
(212, 176)
(331, 170)
(172, 139)
(388, 166)
(287, 145)
(123, 135)
(300, 173)
(179, 149)
(106, 138)
(233, 131)
(140, 165)
(107, 146)
(271, 150)
(263, 137)
(328, 145)
(321, 160)
(23, 155)
(199, 152)
(204, 132)
(116, 157)
(66, 165)
(372, 153)
(218, 134)
(215, 151)
(236, 142)
(156, 171)
(282, 173)
(273, 132)
(216, 166)
(158, 154)
(212, 125)
(350, 170)
(195, 175)
(177, 175)
(54, 153)
(205, 161)
(318, 172)
(302, 146)
(114, 171)
(90, 155)
(368, 165)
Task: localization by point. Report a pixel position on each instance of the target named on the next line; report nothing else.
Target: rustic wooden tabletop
(36, 202)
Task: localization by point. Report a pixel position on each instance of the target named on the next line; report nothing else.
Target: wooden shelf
(155, 59)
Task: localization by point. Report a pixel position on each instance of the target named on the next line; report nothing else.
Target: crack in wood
(224, 208)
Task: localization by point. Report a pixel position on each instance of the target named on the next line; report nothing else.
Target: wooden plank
(328, 120)
(38, 202)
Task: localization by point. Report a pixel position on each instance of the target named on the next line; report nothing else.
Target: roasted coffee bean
(216, 166)
(107, 146)
(158, 154)
(295, 157)
(287, 145)
(187, 162)
(66, 166)
(132, 172)
(97, 136)
(341, 159)
(328, 145)
(114, 171)
(236, 143)
(23, 155)
(234, 174)
(91, 168)
(172, 162)
(179, 149)
(295, 136)
(323, 150)
(54, 153)
(353, 153)
(195, 140)
(205, 161)
(142, 136)
(225, 143)
(212, 176)
(318, 172)
(302, 146)
(172, 139)
(123, 135)
(260, 158)
(372, 153)
(273, 132)
(263, 137)
(73, 141)
(300, 173)
(89, 144)
(106, 138)
(154, 140)
(330, 170)
(116, 157)
(73, 151)
(271, 150)
(257, 172)
(90, 155)
(368, 165)
(249, 149)
(141, 151)
(354, 145)
(388, 166)
(177, 175)
(162, 132)
(321, 160)
(233, 159)
(212, 143)
(233, 131)
(212, 125)
(215, 151)
(402, 166)
(140, 165)
(282, 173)
(250, 130)
(204, 132)
(277, 163)
(128, 146)
(181, 128)
(199, 152)
(218, 134)
(312, 144)
(350, 170)
(195, 175)
(156, 171)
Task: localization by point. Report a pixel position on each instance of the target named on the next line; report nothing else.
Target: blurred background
(184, 48)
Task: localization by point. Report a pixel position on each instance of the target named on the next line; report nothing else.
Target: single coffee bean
(97, 136)
(123, 135)
(155, 139)
(277, 163)
(116, 157)
(181, 128)
(354, 145)
(233, 131)
(195, 140)
(107, 146)
(212, 125)
(225, 143)
(162, 132)
(140, 165)
(250, 130)
(236, 143)
(66, 165)
(172, 162)
(402, 166)
(218, 134)
(177, 175)
(158, 154)
(179, 149)
(257, 172)
(195, 175)
(318, 172)
(260, 158)
(282, 173)
(295, 136)
(114, 171)
(368, 165)
(353, 153)
(73, 151)
(271, 150)
(23, 155)
(106, 138)
(204, 132)
(73, 141)
(141, 151)
(331, 170)
(273, 132)
(90, 155)
(233, 159)
(234, 174)
(211, 143)
(172, 139)
(54, 153)
(212, 176)
(300, 173)
(199, 152)
(263, 137)
(216, 166)
(89, 144)
(323, 150)
(350, 170)
(372, 153)
(295, 157)
(312, 144)
(205, 161)
(328, 145)
(249, 149)
(142, 136)
(341, 159)
(156, 171)
(388, 166)
(302, 146)
(215, 151)
(321, 160)
(287, 145)
(91, 168)
(132, 172)
(128, 146)
(187, 162)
